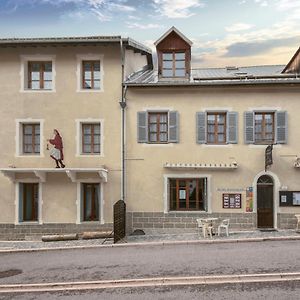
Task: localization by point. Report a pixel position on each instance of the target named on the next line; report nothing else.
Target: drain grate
(9, 273)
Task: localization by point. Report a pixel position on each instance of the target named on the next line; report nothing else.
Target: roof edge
(173, 28)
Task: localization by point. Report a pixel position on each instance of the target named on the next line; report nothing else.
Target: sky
(224, 32)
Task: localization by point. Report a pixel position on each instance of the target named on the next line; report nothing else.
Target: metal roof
(217, 76)
(8, 42)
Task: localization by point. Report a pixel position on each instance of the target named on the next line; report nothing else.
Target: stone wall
(184, 222)
(35, 231)
(287, 221)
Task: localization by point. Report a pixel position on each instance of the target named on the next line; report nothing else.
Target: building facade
(198, 138)
(72, 85)
(88, 121)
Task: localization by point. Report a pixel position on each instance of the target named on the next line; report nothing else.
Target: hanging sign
(268, 156)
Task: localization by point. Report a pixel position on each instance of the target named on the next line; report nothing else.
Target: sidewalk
(238, 236)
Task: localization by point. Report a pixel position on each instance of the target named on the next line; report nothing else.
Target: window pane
(221, 128)
(163, 118)
(153, 137)
(97, 84)
(48, 67)
(96, 139)
(96, 148)
(37, 149)
(35, 75)
(35, 67)
(87, 66)
(221, 138)
(97, 128)
(97, 75)
(87, 75)
(48, 76)
(180, 64)
(163, 127)
(163, 137)
(27, 129)
(86, 148)
(28, 149)
(35, 85)
(167, 56)
(87, 129)
(153, 118)
(258, 117)
(221, 118)
(87, 139)
(47, 85)
(87, 84)
(179, 56)
(180, 72)
(97, 67)
(167, 73)
(153, 127)
(167, 64)
(210, 138)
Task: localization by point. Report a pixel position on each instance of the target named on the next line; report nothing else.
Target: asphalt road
(150, 261)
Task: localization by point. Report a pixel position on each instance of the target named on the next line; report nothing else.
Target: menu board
(232, 200)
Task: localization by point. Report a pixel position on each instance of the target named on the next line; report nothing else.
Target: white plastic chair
(206, 229)
(298, 221)
(224, 224)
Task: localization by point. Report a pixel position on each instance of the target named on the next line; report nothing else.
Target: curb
(149, 282)
(162, 243)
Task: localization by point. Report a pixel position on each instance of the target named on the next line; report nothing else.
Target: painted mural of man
(56, 152)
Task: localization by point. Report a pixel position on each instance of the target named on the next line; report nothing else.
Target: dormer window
(173, 64)
(174, 55)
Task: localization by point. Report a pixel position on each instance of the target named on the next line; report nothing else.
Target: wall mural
(56, 152)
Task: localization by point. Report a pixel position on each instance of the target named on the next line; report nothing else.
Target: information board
(232, 200)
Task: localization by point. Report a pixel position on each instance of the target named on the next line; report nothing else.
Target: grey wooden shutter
(20, 204)
(249, 127)
(281, 127)
(232, 127)
(173, 127)
(201, 127)
(142, 129)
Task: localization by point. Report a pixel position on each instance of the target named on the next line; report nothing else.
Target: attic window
(173, 64)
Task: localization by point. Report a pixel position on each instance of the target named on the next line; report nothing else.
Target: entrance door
(265, 215)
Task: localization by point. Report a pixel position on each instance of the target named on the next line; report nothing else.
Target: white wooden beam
(41, 175)
(10, 175)
(71, 175)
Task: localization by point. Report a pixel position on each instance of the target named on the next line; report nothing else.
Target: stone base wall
(36, 231)
(184, 222)
(287, 221)
(177, 222)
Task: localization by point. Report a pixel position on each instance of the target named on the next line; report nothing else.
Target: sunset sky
(224, 32)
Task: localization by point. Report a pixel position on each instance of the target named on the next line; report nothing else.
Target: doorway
(265, 202)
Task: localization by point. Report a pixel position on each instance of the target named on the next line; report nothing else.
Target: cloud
(174, 9)
(238, 27)
(258, 47)
(102, 9)
(143, 26)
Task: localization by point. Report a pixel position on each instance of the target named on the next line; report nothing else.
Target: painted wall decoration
(56, 153)
(249, 199)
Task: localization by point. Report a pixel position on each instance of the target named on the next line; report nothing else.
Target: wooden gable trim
(295, 56)
(173, 29)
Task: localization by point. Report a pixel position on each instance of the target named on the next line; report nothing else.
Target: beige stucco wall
(145, 171)
(60, 109)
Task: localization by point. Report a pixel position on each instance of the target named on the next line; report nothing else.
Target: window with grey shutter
(142, 127)
(232, 127)
(249, 127)
(281, 127)
(201, 127)
(173, 127)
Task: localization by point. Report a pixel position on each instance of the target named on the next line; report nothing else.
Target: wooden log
(97, 235)
(59, 237)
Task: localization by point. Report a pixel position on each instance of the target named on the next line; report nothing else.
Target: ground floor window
(90, 201)
(188, 194)
(28, 202)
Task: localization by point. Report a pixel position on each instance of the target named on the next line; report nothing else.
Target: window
(264, 128)
(91, 135)
(91, 74)
(188, 194)
(173, 64)
(90, 201)
(31, 138)
(216, 128)
(158, 127)
(28, 202)
(39, 75)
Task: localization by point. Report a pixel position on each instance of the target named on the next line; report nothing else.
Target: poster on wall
(249, 199)
(232, 201)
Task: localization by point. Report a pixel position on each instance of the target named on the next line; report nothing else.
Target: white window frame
(17, 198)
(24, 72)
(101, 201)
(19, 137)
(79, 123)
(79, 72)
(186, 175)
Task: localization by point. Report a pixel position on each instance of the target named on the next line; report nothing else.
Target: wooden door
(265, 212)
